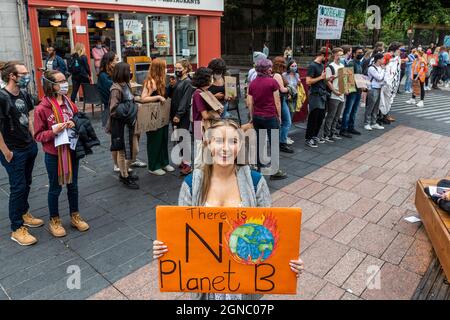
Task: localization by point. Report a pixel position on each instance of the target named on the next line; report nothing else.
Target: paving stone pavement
(354, 194)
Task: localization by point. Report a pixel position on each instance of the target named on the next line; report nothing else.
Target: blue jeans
(20, 173)
(286, 120)
(51, 163)
(408, 81)
(225, 113)
(351, 108)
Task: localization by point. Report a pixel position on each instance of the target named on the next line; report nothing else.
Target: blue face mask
(24, 81)
(342, 60)
(293, 69)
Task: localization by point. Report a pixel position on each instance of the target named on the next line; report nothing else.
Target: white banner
(211, 5)
(330, 21)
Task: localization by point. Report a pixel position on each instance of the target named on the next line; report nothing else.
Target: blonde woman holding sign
(224, 183)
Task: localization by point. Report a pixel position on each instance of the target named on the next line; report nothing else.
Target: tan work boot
(32, 222)
(77, 222)
(55, 227)
(22, 237)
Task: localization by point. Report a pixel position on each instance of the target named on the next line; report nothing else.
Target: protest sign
(362, 81)
(228, 250)
(346, 80)
(230, 87)
(211, 100)
(152, 116)
(330, 21)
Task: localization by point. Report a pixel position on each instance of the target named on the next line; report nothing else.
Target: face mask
(217, 76)
(99, 46)
(342, 60)
(24, 81)
(359, 56)
(179, 74)
(293, 69)
(63, 88)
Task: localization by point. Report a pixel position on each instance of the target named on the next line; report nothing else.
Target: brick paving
(354, 195)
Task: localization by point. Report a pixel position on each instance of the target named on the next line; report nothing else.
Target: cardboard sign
(330, 21)
(230, 87)
(346, 80)
(152, 116)
(211, 100)
(362, 81)
(228, 250)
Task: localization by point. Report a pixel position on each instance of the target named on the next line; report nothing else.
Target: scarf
(65, 171)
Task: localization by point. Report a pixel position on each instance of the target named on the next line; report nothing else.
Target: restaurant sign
(211, 5)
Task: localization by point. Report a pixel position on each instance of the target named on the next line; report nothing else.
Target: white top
(336, 80)
(50, 65)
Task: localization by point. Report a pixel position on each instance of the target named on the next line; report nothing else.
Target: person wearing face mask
(347, 54)
(293, 79)
(52, 117)
(376, 74)
(18, 150)
(97, 53)
(217, 87)
(54, 62)
(419, 71)
(181, 104)
(353, 99)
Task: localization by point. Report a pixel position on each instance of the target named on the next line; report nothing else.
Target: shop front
(136, 30)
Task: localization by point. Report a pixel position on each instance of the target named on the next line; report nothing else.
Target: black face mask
(359, 56)
(179, 74)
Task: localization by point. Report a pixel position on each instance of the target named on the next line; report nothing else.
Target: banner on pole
(330, 21)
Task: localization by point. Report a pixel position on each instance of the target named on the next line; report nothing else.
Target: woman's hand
(159, 249)
(297, 266)
(59, 127)
(70, 124)
(219, 96)
(162, 99)
(176, 119)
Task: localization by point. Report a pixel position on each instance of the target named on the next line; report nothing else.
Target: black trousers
(315, 120)
(76, 84)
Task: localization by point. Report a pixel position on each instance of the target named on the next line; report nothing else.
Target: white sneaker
(362, 105)
(377, 126)
(411, 101)
(447, 85)
(408, 91)
(368, 127)
(116, 168)
(420, 104)
(159, 172)
(139, 164)
(169, 168)
(289, 141)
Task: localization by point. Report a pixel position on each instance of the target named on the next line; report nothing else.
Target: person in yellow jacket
(419, 71)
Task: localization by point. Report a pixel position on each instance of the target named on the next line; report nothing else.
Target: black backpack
(333, 73)
(365, 66)
(74, 64)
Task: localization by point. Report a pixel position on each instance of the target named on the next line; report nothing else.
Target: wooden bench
(436, 222)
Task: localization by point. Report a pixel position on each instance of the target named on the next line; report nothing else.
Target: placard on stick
(228, 250)
(230, 87)
(211, 100)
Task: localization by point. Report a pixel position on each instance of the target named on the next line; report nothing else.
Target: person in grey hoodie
(224, 184)
(376, 76)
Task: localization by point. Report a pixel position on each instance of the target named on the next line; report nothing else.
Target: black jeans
(262, 123)
(422, 91)
(20, 171)
(438, 74)
(315, 119)
(76, 84)
(51, 163)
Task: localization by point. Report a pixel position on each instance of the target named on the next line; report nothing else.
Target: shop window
(161, 38)
(133, 35)
(53, 31)
(186, 38)
(101, 28)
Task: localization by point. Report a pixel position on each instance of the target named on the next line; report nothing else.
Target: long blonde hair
(157, 73)
(80, 49)
(207, 168)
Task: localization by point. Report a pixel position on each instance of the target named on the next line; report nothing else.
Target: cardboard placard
(362, 81)
(346, 80)
(230, 87)
(228, 250)
(211, 100)
(152, 116)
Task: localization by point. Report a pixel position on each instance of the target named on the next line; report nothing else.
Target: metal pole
(292, 36)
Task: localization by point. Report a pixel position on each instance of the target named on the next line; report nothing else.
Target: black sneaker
(133, 177)
(345, 134)
(319, 140)
(311, 143)
(353, 131)
(130, 184)
(280, 175)
(285, 148)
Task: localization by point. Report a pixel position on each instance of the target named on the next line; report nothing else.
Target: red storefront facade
(169, 29)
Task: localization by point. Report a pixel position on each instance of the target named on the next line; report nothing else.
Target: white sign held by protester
(330, 21)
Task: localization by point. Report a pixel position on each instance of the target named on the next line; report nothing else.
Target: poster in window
(161, 32)
(132, 30)
(191, 38)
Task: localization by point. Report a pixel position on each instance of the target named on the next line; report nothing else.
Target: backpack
(333, 72)
(256, 177)
(74, 64)
(365, 67)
